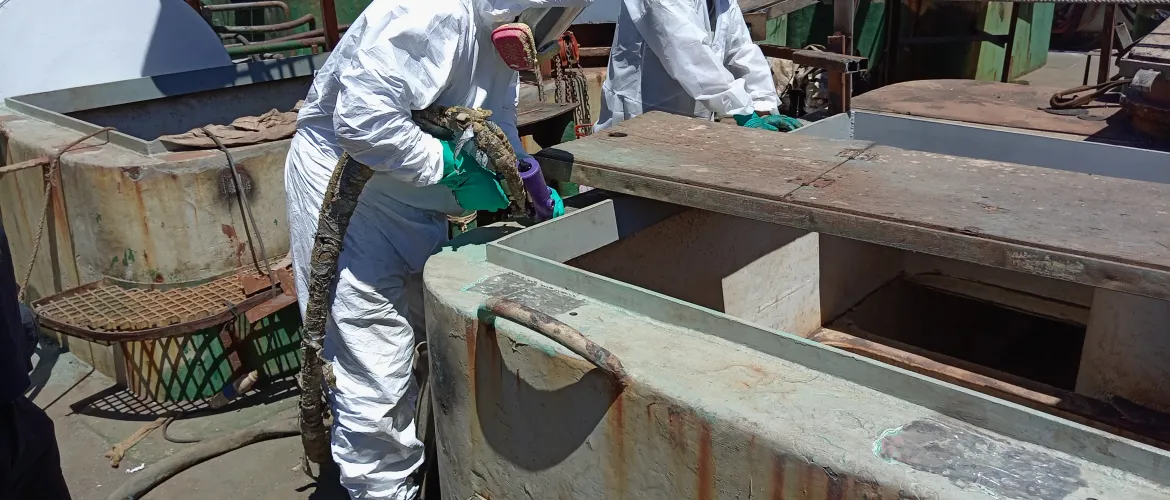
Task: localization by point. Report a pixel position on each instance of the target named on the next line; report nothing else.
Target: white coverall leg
(395, 58)
(667, 56)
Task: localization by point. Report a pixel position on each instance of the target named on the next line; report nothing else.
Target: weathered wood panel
(1103, 232)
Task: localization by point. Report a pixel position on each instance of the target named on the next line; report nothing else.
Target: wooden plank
(1109, 234)
(535, 112)
(1095, 216)
(1154, 46)
(671, 148)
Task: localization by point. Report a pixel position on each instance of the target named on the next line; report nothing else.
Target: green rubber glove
(558, 203)
(783, 123)
(475, 187)
(754, 121)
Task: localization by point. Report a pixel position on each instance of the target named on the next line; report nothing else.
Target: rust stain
(469, 337)
(238, 247)
(676, 427)
(706, 466)
(777, 477)
(616, 420)
(142, 212)
(834, 489)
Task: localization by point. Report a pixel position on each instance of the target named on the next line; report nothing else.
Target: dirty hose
(560, 333)
(340, 201)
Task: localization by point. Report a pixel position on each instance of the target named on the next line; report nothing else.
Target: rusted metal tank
(125, 207)
(720, 400)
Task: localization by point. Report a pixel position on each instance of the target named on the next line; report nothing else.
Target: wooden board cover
(1100, 231)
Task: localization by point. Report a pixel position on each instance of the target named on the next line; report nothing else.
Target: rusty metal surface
(265, 28)
(1148, 117)
(827, 61)
(991, 103)
(108, 311)
(228, 7)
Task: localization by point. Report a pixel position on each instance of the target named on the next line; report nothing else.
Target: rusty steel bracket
(560, 333)
(827, 61)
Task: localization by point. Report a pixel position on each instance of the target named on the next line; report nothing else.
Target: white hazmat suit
(667, 56)
(396, 57)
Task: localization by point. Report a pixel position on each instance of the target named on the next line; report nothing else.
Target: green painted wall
(984, 61)
(202, 368)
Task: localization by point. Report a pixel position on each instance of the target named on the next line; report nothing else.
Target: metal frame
(52, 107)
(840, 67)
(1013, 146)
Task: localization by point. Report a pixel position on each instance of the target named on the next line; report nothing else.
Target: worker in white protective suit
(396, 57)
(687, 57)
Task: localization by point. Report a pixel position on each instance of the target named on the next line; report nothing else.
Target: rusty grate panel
(111, 308)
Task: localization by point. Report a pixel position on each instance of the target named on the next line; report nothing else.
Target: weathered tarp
(271, 126)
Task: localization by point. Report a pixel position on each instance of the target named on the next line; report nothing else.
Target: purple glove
(538, 190)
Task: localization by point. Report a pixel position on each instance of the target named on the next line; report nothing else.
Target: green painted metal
(265, 47)
(984, 61)
(1029, 47)
(276, 343)
(272, 346)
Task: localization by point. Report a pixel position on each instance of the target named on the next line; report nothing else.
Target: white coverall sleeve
(506, 118)
(669, 30)
(745, 60)
(380, 85)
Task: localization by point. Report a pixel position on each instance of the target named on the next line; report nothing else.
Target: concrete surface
(92, 414)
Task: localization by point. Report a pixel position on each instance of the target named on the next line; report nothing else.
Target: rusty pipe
(267, 4)
(266, 28)
(264, 47)
(560, 333)
(319, 32)
(329, 17)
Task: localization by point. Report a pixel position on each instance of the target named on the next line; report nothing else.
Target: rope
(462, 220)
(245, 211)
(50, 181)
(1061, 100)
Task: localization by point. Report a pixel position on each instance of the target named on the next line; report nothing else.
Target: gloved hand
(546, 202)
(475, 187)
(558, 203)
(783, 123)
(754, 121)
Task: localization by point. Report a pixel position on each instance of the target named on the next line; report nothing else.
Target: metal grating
(107, 307)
